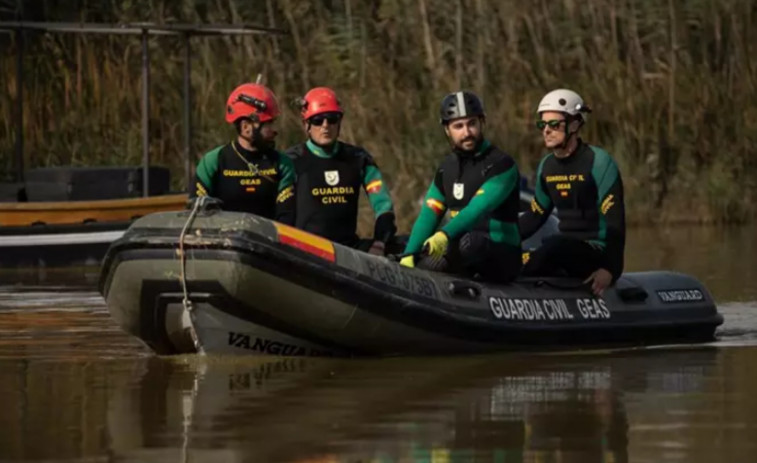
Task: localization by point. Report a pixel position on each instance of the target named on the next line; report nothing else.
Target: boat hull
(262, 288)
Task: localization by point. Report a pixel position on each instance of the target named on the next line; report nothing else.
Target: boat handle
(463, 289)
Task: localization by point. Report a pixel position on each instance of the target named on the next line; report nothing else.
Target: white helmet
(564, 101)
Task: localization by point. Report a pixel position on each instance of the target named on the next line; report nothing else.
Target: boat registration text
(548, 309)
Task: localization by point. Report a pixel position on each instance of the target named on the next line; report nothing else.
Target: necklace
(252, 167)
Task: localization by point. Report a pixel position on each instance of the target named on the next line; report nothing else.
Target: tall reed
(673, 86)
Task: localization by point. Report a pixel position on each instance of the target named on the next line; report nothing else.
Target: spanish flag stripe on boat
(305, 241)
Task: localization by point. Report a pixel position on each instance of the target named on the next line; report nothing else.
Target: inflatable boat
(205, 280)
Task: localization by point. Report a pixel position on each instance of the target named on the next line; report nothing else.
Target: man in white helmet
(583, 182)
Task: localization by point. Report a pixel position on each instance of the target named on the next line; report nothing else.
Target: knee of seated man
(473, 245)
(436, 264)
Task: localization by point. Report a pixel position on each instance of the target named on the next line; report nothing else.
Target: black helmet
(460, 104)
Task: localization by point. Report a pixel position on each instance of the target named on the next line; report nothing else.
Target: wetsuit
(481, 191)
(328, 189)
(258, 182)
(587, 191)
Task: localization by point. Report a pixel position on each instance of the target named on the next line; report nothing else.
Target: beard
(476, 143)
(264, 145)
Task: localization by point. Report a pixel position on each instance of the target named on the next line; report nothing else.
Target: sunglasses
(552, 124)
(332, 119)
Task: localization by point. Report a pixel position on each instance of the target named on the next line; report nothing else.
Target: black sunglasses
(553, 124)
(317, 120)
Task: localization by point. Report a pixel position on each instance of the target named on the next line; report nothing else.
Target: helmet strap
(257, 136)
(255, 141)
(568, 121)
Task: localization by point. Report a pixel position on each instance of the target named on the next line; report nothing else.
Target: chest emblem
(458, 190)
(332, 177)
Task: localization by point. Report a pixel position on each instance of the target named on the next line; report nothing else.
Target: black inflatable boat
(221, 282)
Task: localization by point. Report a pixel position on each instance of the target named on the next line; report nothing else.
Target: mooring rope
(186, 303)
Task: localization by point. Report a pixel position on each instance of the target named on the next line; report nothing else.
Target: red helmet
(320, 100)
(251, 100)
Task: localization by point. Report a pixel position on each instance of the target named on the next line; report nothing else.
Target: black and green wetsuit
(587, 190)
(328, 189)
(258, 182)
(481, 191)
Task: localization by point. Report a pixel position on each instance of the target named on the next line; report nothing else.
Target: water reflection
(599, 407)
(68, 277)
(77, 388)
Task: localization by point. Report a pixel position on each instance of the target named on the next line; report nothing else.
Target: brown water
(74, 388)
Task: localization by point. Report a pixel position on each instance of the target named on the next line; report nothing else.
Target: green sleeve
(541, 206)
(432, 210)
(288, 174)
(378, 194)
(285, 203)
(541, 195)
(604, 171)
(206, 173)
(611, 207)
(491, 194)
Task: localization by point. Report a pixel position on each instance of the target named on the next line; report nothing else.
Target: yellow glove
(436, 246)
(408, 261)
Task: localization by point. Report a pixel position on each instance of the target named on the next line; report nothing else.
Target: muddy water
(75, 388)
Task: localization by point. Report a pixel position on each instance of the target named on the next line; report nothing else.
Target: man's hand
(377, 248)
(408, 261)
(436, 246)
(600, 280)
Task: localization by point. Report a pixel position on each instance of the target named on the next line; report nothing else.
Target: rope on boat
(186, 303)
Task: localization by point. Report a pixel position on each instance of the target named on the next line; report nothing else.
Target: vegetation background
(673, 85)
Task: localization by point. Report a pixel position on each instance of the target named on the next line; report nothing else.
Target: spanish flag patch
(374, 186)
(435, 205)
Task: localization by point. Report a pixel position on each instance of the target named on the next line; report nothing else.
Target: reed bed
(673, 85)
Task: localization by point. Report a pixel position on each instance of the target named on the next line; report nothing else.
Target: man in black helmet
(479, 184)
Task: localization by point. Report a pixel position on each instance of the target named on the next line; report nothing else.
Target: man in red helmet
(330, 175)
(248, 174)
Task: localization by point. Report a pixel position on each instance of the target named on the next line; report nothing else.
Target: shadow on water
(654, 406)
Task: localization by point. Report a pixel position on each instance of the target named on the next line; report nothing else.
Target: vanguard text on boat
(259, 287)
